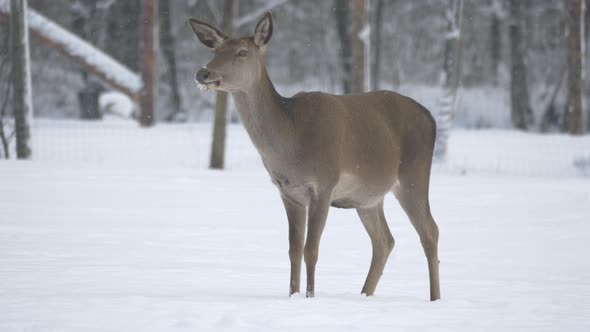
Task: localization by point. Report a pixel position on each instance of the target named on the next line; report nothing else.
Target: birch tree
(21, 78)
(5, 92)
(450, 77)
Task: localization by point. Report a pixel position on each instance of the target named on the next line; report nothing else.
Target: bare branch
(214, 11)
(258, 13)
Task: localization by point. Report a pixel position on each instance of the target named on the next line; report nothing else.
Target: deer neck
(266, 115)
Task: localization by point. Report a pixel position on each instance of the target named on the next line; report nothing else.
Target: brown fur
(325, 150)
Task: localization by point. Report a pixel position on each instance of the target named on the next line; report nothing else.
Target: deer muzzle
(205, 79)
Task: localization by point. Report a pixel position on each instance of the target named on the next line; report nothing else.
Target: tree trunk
(123, 31)
(167, 45)
(342, 11)
(5, 90)
(230, 9)
(521, 113)
(585, 55)
(574, 116)
(357, 46)
(451, 77)
(21, 78)
(376, 66)
(495, 41)
(81, 13)
(149, 17)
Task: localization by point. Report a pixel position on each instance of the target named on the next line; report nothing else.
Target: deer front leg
(296, 217)
(316, 220)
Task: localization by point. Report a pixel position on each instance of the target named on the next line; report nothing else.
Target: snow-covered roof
(80, 49)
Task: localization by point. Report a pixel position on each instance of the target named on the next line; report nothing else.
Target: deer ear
(207, 34)
(263, 30)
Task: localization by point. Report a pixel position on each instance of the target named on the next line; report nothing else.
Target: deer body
(324, 150)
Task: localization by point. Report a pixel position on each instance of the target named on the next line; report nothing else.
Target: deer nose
(202, 75)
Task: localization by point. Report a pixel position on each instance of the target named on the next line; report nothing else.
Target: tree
(123, 25)
(5, 91)
(496, 40)
(149, 17)
(575, 40)
(376, 65)
(520, 110)
(585, 52)
(84, 20)
(357, 46)
(21, 77)
(167, 45)
(451, 76)
(217, 161)
(342, 11)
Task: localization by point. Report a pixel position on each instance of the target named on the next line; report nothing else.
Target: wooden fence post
(147, 55)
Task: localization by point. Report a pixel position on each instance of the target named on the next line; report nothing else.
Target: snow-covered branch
(86, 54)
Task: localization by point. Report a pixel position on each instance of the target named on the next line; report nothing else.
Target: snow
(517, 153)
(116, 103)
(78, 47)
(113, 227)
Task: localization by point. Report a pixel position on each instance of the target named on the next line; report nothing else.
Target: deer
(323, 150)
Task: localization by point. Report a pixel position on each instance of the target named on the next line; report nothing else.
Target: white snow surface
(113, 227)
(79, 47)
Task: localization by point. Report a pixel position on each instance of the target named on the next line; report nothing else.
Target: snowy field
(116, 228)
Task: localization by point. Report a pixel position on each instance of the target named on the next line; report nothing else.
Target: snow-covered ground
(116, 228)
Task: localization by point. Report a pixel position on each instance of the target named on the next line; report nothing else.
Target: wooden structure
(147, 55)
(90, 58)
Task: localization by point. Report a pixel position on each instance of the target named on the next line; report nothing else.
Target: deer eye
(243, 53)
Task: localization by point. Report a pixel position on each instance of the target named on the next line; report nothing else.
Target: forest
(133, 198)
(513, 52)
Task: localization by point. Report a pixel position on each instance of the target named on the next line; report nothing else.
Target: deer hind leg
(382, 241)
(413, 197)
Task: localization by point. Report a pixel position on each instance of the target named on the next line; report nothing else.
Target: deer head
(237, 62)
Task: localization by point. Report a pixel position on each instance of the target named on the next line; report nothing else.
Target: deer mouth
(208, 85)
